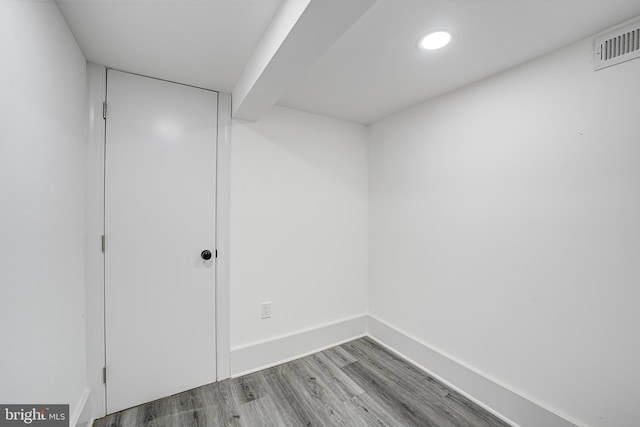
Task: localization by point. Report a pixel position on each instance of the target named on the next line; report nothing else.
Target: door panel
(159, 217)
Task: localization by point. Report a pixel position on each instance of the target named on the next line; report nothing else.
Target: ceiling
(204, 43)
(373, 70)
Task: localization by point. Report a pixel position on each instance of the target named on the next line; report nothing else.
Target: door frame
(94, 228)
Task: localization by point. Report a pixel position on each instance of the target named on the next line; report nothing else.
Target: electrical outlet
(266, 310)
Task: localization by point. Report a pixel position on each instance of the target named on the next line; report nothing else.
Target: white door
(160, 195)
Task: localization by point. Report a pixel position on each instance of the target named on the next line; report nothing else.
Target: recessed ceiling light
(435, 40)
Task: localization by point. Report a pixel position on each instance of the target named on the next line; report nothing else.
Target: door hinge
(104, 375)
(102, 243)
(104, 110)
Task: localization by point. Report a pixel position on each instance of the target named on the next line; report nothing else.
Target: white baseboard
(496, 398)
(80, 414)
(509, 405)
(265, 354)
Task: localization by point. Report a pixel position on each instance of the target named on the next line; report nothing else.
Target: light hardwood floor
(358, 383)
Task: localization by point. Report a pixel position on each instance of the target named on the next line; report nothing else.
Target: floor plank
(339, 356)
(357, 384)
(340, 384)
(220, 405)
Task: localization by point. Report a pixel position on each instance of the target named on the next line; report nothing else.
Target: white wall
(42, 155)
(505, 232)
(298, 223)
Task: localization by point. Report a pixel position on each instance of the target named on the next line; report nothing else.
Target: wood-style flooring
(358, 383)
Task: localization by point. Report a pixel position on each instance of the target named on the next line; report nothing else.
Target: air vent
(617, 46)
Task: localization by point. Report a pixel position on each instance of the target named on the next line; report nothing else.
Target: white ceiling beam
(299, 34)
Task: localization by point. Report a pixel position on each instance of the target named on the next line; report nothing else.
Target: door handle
(206, 255)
